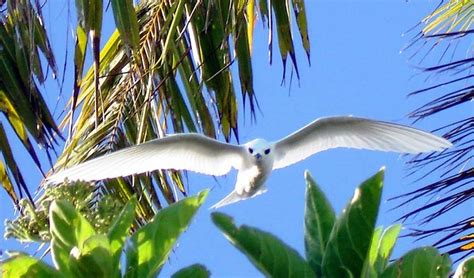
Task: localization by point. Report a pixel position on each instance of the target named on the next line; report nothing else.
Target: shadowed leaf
(119, 230)
(421, 262)
(269, 254)
(381, 248)
(151, 244)
(349, 243)
(193, 271)
(319, 222)
(69, 230)
(23, 265)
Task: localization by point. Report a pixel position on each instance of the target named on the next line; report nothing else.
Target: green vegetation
(348, 245)
(345, 246)
(78, 250)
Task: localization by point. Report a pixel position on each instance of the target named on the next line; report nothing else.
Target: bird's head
(259, 149)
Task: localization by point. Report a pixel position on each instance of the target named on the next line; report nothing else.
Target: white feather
(352, 132)
(234, 197)
(191, 152)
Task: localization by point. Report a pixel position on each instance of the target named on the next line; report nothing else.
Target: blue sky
(356, 68)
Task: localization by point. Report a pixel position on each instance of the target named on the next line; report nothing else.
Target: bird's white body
(256, 159)
(256, 168)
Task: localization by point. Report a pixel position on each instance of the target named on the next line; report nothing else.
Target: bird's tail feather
(229, 199)
(235, 197)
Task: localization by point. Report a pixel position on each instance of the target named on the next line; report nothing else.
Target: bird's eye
(267, 151)
(250, 150)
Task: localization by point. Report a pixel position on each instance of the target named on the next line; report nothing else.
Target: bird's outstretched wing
(352, 132)
(191, 152)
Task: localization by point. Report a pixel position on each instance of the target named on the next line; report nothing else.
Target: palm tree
(446, 32)
(167, 68)
(22, 39)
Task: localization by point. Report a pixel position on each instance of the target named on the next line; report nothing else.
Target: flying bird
(256, 159)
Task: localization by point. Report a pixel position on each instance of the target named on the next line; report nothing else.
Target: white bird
(256, 159)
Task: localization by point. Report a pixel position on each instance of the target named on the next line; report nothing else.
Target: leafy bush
(345, 246)
(32, 225)
(78, 250)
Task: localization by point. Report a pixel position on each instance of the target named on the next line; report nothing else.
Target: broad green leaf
(385, 246)
(68, 230)
(151, 245)
(23, 265)
(420, 262)
(93, 258)
(119, 230)
(369, 270)
(465, 269)
(192, 271)
(349, 242)
(374, 245)
(268, 253)
(319, 221)
(381, 248)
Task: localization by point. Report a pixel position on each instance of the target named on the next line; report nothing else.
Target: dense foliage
(79, 250)
(348, 245)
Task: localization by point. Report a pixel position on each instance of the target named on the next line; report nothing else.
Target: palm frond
(446, 32)
(176, 78)
(24, 47)
(463, 241)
